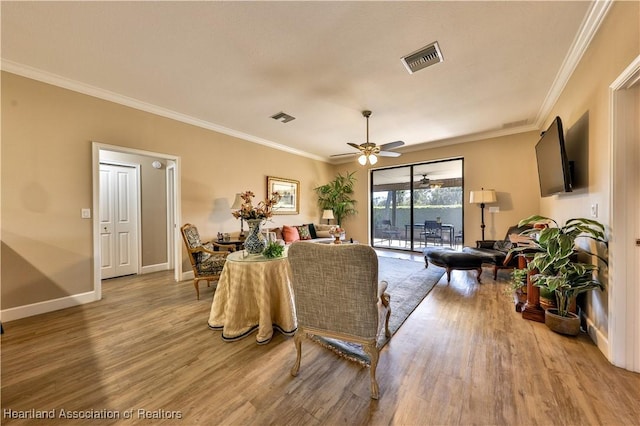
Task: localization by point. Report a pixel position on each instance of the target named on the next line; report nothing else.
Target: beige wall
(506, 164)
(614, 47)
(47, 135)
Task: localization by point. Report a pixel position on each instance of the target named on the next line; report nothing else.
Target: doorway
(624, 249)
(162, 241)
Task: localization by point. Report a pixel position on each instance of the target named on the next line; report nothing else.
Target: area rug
(409, 283)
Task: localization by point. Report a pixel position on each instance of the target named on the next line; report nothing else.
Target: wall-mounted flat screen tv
(553, 165)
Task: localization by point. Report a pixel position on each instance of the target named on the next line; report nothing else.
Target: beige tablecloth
(253, 293)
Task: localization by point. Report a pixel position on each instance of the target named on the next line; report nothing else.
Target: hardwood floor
(463, 357)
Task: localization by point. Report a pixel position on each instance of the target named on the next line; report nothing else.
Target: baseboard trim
(187, 276)
(38, 308)
(601, 341)
(154, 268)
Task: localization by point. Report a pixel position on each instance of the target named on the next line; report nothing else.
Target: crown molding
(590, 25)
(86, 89)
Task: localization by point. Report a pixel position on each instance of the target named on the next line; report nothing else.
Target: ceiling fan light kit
(371, 158)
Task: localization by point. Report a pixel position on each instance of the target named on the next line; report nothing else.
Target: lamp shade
(484, 196)
(237, 203)
(327, 214)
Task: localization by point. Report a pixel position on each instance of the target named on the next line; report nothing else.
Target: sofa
(494, 252)
(312, 232)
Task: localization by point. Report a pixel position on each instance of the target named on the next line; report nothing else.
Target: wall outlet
(494, 209)
(594, 210)
(86, 213)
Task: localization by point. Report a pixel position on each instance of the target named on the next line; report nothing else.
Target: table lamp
(327, 214)
(482, 197)
(237, 205)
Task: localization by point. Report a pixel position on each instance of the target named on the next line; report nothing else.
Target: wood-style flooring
(464, 357)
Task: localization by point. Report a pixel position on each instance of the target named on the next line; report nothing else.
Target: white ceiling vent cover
(423, 58)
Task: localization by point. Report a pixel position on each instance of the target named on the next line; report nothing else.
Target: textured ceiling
(230, 66)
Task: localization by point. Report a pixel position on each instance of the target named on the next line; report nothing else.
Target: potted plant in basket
(556, 268)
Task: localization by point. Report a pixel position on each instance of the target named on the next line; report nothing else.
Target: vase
(255, 242)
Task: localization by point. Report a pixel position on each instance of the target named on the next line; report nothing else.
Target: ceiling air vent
(283, 117)
(423, 58)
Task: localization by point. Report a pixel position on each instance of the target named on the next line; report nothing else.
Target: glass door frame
(411, 247)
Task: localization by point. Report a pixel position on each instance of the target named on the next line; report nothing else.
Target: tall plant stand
(531, 309)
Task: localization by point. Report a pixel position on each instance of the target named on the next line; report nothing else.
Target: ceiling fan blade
(356, 146)
(343, 155)
(391, 145)
(388, 154)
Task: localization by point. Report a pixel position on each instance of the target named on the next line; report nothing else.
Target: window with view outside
(412, 195)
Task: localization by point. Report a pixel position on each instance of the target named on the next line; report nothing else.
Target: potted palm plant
(556, 268)
(337, 195)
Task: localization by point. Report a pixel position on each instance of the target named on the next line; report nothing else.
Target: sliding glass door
(417, 205)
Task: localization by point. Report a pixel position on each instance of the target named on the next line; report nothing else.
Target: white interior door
(118, 221)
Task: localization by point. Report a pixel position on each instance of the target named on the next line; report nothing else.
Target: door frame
(96, 148)
(623, 316)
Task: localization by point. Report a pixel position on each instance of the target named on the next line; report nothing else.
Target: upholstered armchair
(337, 295)
(207, 263)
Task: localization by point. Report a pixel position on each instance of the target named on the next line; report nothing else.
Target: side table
(238, 244)
(253, 293)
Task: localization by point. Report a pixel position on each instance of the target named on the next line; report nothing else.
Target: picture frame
(289, 189)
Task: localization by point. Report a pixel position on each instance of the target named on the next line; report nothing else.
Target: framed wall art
(289, 190)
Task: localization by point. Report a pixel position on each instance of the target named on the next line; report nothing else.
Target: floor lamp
(327, 214)
(482, 197)
(237, 205)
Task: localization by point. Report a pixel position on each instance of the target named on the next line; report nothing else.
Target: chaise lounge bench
(450, 259)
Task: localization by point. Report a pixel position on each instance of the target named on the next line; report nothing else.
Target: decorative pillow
(290, 234)
(323, 234)
(303, 232)
(312, 231)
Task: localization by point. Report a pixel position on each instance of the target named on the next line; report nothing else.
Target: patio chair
(389, 232)
(432, 231)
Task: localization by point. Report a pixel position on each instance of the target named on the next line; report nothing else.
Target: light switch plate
(86, 213)
(495, 209)
(594, 210)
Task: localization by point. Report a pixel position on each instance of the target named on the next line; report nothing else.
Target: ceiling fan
(369, 151)
(425, 182)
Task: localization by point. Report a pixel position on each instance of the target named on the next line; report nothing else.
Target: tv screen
(553, 164)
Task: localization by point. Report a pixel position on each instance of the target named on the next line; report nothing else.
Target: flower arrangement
(335, 230)
(264, 209)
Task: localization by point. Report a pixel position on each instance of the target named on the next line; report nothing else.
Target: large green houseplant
(555, 262)
(337, 195)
